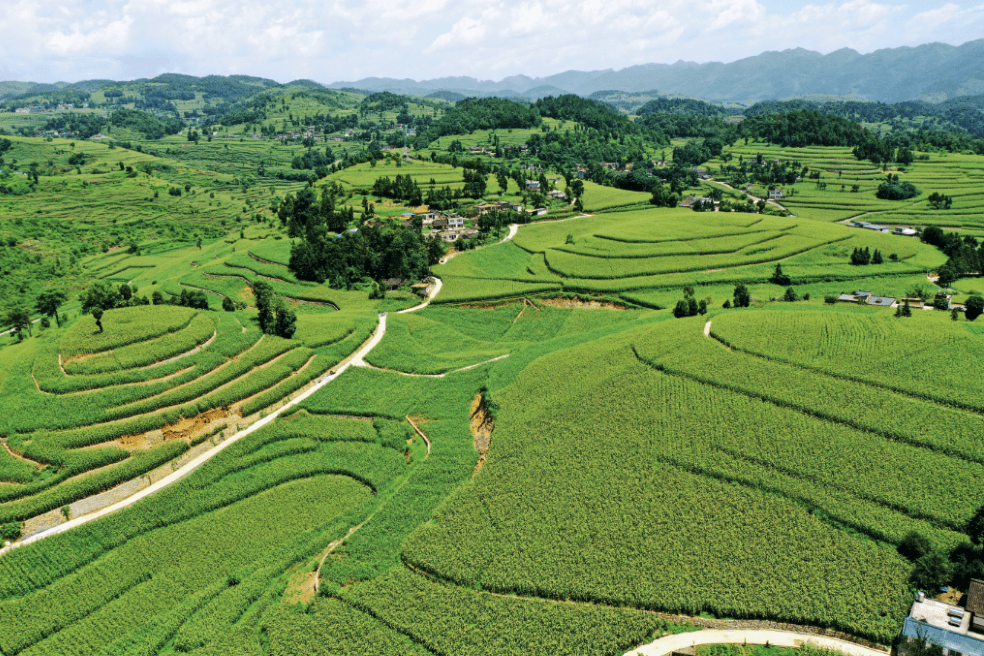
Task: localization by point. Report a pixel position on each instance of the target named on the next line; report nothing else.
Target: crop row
(710, 246)
(834, 430)
(148, 352)
(151, 573)
(451, 620)
(122, 327)
(853, 346)
(262, 454)
(573, 503)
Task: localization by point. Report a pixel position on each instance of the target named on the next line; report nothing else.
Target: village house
(533, 185)
(690, 201)
(558, 194)
(539, 211)
(956, 630)
(775, 193)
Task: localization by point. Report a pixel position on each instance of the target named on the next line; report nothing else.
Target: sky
(336, 40)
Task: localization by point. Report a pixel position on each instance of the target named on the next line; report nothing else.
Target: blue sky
(330, 40)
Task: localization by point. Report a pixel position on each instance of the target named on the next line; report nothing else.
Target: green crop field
(631, 255)
(542, 459)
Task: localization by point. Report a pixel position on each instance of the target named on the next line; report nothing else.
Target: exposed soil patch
(482, 423)
(184, 429)
(301, 587)
(577, 304)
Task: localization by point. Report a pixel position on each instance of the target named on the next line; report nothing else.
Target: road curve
(435, 290)
(678, 641)
(174, 477)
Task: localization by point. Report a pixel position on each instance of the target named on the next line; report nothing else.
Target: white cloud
(47, 40)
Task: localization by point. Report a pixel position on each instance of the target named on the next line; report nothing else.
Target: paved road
(10, 330)
(670, 643)
(435, 290)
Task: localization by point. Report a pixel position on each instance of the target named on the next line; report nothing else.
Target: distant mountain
(933, 72)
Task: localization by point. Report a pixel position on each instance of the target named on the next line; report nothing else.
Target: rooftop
(936, 613)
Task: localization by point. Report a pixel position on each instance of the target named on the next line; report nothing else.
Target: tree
(49, 302)
(931, 569)
(97, 314)
(876, 257)
(790, 295)
(157, 298)
(946, 275)
(274, 316)
(779, 278)
(228, 305)
(286, 322)
(20, 320)
(914, 546)
(954, 314)
(682, 309)
(100, 295)
(503, 181)
(904, 310)
(974, 307)
(742, 297)
(264, 305)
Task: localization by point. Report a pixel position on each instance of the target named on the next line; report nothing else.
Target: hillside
(294, 370)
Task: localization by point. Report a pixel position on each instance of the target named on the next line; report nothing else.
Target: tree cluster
(863, 257)
(374, 253)
(893, 189)
(689, 306)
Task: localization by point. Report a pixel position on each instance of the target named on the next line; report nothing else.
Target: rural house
(950, 627)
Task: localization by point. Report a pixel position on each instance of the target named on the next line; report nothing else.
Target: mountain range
(933, 72)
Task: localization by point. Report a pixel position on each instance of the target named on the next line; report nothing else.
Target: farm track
(446, 373)
(337, 543)
(754, 199)
(355, 359)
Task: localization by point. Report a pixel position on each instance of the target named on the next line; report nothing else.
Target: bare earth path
(676, 642)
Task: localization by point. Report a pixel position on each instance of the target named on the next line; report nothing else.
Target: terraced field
(635, 255)
(540, 461)
(958, 176)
